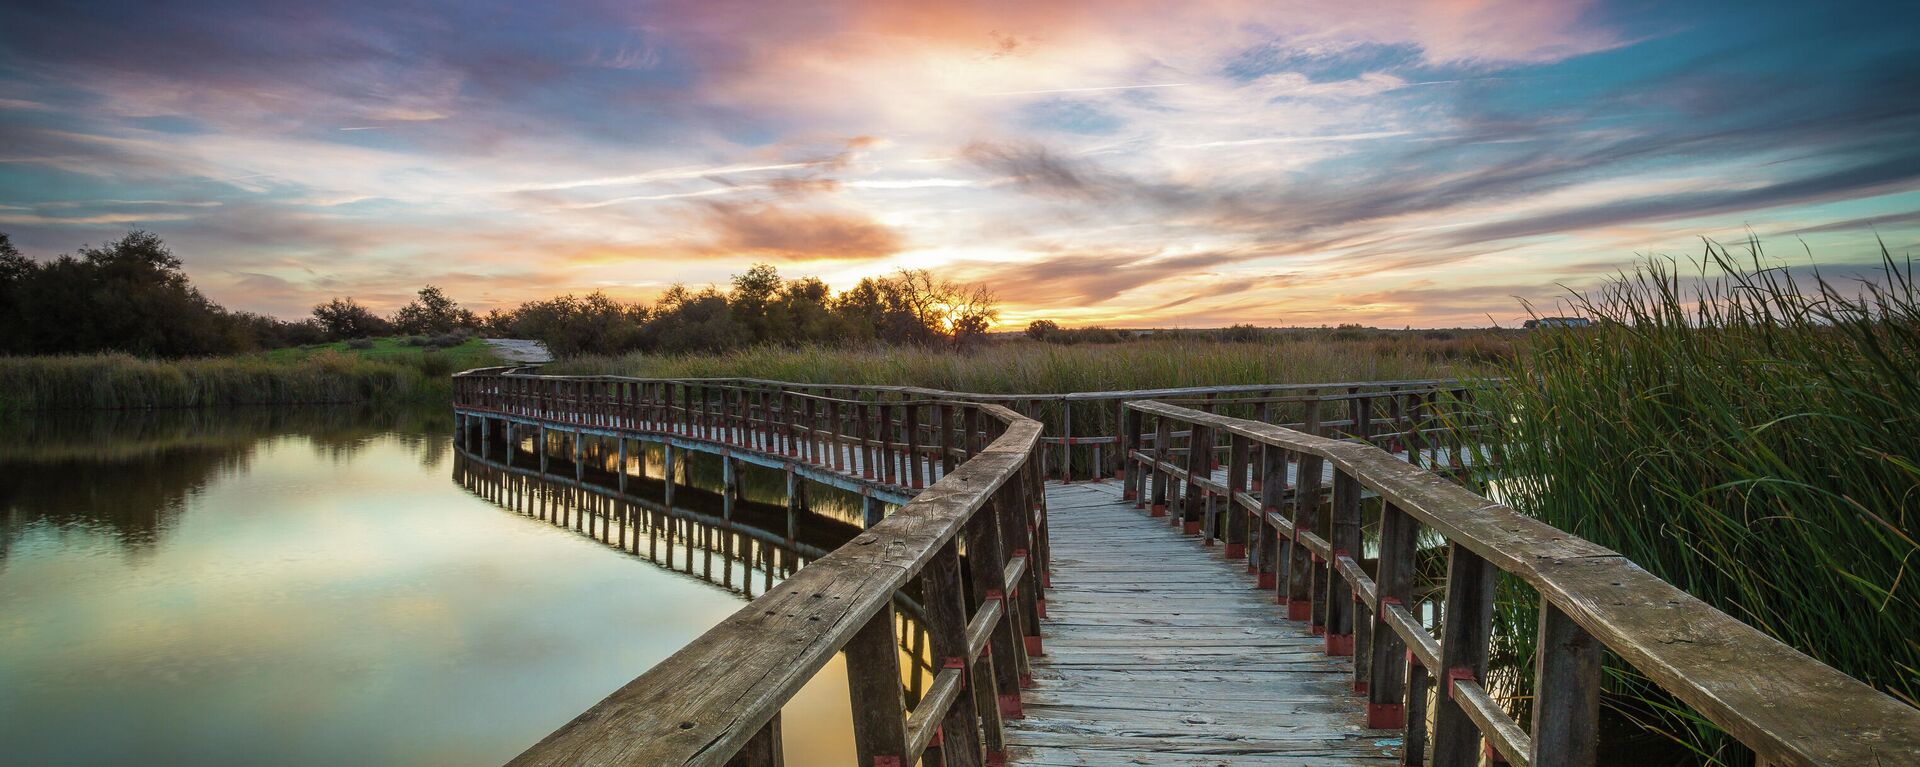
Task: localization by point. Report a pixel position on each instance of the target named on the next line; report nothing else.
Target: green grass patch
(386, 370)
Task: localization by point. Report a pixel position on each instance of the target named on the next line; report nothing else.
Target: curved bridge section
(1335, 646)
(967, 476)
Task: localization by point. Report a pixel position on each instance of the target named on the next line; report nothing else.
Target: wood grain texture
(1729, 672)
(1160, 651)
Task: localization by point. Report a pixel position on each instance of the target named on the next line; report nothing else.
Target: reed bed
(120, 381)
(1747, 433)
(1028, 367)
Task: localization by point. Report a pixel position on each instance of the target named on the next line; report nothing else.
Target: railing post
(873, 684)
(1162, 452)
(1235, 516)
(1066, 440)
(1199, 464)
(889, 467)
(1273, 486)
(1566, 692)
(1463, 654)
(947, 627)
(1302, 602)
(1386, 693)
(764, 750)
(996, 673)
(917, 469)
(1130, 430)
(1345, 542)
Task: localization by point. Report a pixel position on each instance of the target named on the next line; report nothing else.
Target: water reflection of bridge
(745, 555)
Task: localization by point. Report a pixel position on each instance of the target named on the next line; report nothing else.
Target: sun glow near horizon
(1131, 163)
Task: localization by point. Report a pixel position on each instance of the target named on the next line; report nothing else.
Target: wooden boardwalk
(1162, 652)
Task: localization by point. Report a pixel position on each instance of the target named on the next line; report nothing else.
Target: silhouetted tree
(432, 312)
(343, 318)
(1041, 330)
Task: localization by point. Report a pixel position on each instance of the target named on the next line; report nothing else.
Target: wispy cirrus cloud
(1140, 162)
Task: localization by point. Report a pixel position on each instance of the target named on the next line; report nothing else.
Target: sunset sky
(1126, 163)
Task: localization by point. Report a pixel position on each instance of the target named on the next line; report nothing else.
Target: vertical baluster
(1304, 598)
(996, 673)
(873, 684)
(1199, 463)
(1162, 454)
(1273, 487)
(1235, 515)
(1345, 541)
(835, 442)
(916, 468)
(1566, 692)
(1066, 440)
(1386, 686)
(1130, 433)
(889, 463)
(764, 750)
(947, 626)
(1463, 654)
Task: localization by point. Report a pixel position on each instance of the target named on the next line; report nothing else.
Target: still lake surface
(326, 587)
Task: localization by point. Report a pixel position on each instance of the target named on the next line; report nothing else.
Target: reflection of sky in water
(314, 605)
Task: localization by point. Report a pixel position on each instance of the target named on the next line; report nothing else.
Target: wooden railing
(1082, 429)
(1788, 708)
(973, 473)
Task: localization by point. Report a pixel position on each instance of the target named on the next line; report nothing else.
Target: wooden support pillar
(1463, 654)
(1066, 441)
(1235, 535)
(1199, 465)
(623, 466)
(873, 685)
(1386, 687)
(872, 510)
(1130, 434)
(1566, 698)
(1162, 453)
(667, 468)
(511, 446)
(729, 486)
(946, 611)
(1273, 487)
(1345, 540)
(542, 448)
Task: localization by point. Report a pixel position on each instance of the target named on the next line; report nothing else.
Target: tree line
(132, 295)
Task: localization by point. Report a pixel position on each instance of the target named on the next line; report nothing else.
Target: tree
(344, 318)
(432, 312)
(1041, 330)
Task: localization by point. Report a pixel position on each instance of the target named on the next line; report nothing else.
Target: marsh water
(342, 586)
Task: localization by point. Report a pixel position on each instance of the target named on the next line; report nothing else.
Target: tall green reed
(1748, 432)
(117, 381)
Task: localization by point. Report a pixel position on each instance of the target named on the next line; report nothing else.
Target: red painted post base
(1010, 706)
(1300, 610)
(1159, 510)
(1236, 551)
(1040, 607)
(1033, 647)
(1190, 528)
(1126, 495)
(1340, 645)
(1359, 688)
(1386, 716)
(996, 759)
(1026, 681)
(1267, 581)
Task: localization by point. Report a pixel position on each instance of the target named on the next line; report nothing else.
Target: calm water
(321, 587)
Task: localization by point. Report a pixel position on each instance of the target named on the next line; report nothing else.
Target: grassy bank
(386, 370)
(1008, 366)
(1747, 437)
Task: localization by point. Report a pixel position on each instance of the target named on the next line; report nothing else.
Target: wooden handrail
(1787, 707)
(717, 700)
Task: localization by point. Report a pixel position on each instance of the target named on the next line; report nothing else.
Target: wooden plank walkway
(1161, 652)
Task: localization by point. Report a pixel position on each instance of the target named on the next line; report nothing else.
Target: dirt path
(520, 350)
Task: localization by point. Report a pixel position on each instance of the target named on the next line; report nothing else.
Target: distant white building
(1560, 322)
